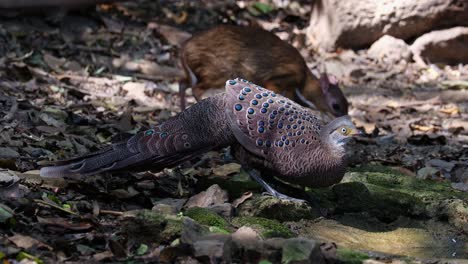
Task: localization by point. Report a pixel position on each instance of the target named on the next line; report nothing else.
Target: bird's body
(268, 132)
(213, 56)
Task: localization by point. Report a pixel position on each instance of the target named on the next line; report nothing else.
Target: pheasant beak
(356, 132)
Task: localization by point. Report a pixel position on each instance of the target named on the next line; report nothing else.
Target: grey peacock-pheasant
(268, 131)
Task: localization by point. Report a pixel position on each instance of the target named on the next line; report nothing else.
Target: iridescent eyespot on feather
(149, 132)
(259, 142)
(163, 135)
(238, 107)
(232, 82)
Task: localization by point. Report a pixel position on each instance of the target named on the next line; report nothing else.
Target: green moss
(273, 208)
(389, 178)
(215, 229)
(348, 256)
(147, 226)
(386, 194)
(206, 217)
(267, 227)
(173, 228)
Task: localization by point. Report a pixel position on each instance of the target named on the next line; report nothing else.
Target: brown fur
(251, 53)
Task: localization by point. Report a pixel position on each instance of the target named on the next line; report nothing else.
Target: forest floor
(73, 81)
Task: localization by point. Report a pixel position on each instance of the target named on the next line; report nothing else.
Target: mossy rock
(267, 228)
(387, 194)
(394, 180)
(147, 226)
(273, 208)
(207, 217)
(383, 203)
(429, 198)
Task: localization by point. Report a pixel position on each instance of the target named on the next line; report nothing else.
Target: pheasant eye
(343, 130)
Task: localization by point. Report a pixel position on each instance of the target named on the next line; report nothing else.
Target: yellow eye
(344, 130)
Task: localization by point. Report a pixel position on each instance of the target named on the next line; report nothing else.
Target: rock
(329, 252)
(409, 237)
(457, 212)
(207, 217)
(192, 231)
(146, 226)
(442, 46)
(265, 227)
(301, 251)
(272, 249)
(8, 153)
(9, 185)
(169, 205)
(246, 237)
(460, 186)
(227, 169)
(225, 210)
(236, 185)
(393, 194)
(389, 50)
(216, 248)
(357, 23)
(249, 244)
(273, 208)
(427, 173)
(212, 196)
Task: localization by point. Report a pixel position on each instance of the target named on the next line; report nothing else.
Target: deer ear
(324, 82)
(332, 79)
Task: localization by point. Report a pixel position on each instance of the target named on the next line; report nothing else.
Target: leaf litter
(99, 76)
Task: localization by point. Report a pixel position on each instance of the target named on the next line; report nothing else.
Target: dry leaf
(27, 242)
(227, 169)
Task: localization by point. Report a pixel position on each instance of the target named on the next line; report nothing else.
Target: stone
(426, 173)
(192, 231)
(212, 196)
(301, 251)
(169, 205)
(357, 23)
(272, 249)
(267, 228)
(225, 210)
(147, 226)
(442, 46)
(457, 212)
(246, 236)
(388, 49)
(273, 208)
(248, 243)
(215, 248)
(8, 153)
(207, 217)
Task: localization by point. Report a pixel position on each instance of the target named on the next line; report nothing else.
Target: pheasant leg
(270, 189)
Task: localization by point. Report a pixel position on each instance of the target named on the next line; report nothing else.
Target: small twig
(110, 212)
(55, 206)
